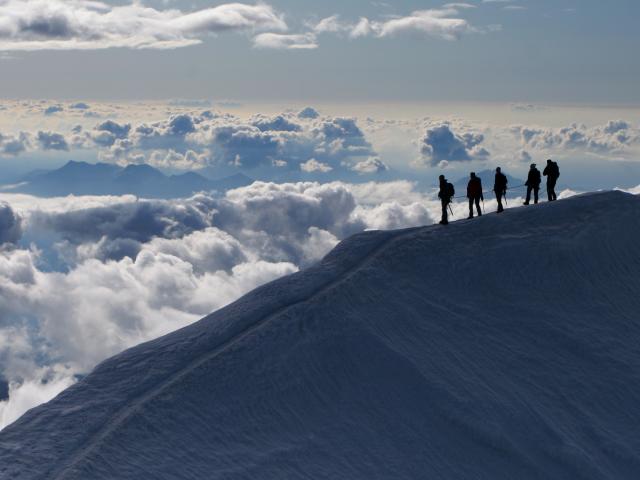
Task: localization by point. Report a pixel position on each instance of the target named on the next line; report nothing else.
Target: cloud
(330, 24)
(284, 141)
(308, 113)
(14, 144)
(281, 41)
(313, 165)
(435, 23)
(10, 225)
(634, 190)
(104, 274)
(27, 394)
(79, 106)
(443, 23)
(615, 137)
(53, 109)
(441, 143)
(115, 129)
(52, 141)
(458, 5)
(197, 140)
(275, 124)
(394, 215)
(84, 24)
(370, 165)
(120, 230)
(615, 126)
(208, 250)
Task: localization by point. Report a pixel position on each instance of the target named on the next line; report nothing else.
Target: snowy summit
(504, 347)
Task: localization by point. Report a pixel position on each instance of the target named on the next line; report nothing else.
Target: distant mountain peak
(140, 172)
(84, 178)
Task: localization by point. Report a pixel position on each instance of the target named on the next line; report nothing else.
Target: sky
(565, 51)
(344, 113)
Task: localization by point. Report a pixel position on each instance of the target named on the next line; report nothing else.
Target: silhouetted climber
(500, 188)
(446, 193)
(533, 183)
(552, 172)
(474, 194)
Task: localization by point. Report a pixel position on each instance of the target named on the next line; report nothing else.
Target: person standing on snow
(500, 188)
(474, 194)
(552, 172)
(445, 195)
(533, 184)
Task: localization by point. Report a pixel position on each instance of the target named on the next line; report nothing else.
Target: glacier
(502, 347)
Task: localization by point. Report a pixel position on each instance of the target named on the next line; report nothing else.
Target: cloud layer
(82, 278)
(284, 142)
(443, 23)
(614, 137)
(27, 25)
(85, 24)
(295, 145)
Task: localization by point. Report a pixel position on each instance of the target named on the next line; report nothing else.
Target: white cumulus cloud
(84, 24)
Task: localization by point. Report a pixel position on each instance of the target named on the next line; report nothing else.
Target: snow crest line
(126, 412)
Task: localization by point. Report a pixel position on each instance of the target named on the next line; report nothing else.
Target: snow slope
(502, 347)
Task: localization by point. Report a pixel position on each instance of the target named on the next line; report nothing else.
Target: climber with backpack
(446, 194)
(552, 172)
(533, 184)
(500, 188)
(474, 194)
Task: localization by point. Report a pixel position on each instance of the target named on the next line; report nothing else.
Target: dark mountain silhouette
(401, 355)
(82, 178)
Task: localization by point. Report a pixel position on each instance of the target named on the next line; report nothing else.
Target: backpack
(451, 192)
(501, 182)
(556, 170)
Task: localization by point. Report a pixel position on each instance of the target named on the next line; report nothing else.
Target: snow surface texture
(502, 347)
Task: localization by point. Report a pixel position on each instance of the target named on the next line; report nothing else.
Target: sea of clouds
(82, 278)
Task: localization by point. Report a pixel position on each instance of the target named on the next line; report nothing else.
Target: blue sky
(520, 50)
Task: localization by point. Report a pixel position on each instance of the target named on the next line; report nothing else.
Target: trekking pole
(505, 199)
(483, 210)
(451, 210)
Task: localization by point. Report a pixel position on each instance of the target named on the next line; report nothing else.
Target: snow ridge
(135, 404)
